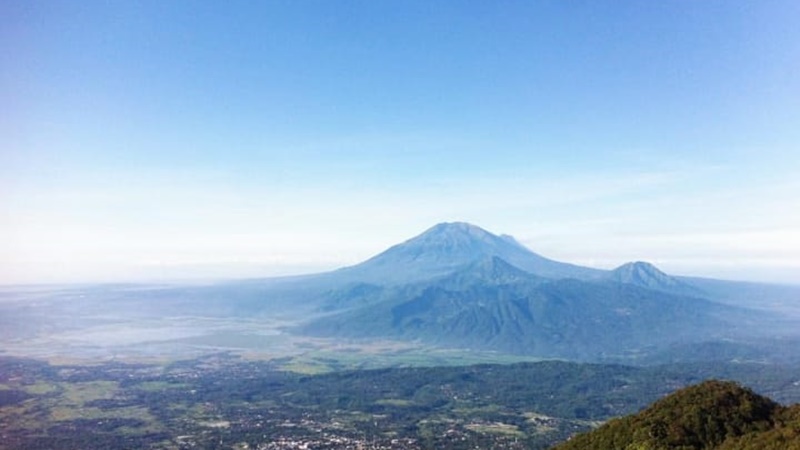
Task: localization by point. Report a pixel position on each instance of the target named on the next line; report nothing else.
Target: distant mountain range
(492, 305)
(459, 286)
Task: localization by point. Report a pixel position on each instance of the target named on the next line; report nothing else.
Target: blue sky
(184, 140)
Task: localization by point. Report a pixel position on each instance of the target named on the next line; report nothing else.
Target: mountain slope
(711, 415)
(646, 275)
(457, 285)
(494, 305)
(785, 435)
(447, 247)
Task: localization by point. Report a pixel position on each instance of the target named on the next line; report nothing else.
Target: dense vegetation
(708, 416)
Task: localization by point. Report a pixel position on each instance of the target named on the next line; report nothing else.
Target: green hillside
(712, 415)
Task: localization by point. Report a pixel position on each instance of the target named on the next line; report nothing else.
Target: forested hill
(713, 415)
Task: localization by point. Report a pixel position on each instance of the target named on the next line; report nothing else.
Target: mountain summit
(447, 247)
(641, 272)
(459, 286)
(648, 276)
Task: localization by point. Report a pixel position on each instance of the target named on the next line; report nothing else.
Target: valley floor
(224, 401)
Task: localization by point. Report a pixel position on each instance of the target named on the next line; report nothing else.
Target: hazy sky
(189, 139)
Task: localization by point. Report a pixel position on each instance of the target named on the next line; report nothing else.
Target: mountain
(713, 415)
(648, 276)
(457, 285)
(447, 247)
(492, 305)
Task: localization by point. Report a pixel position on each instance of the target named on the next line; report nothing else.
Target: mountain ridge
(458, 285)
(449, 246)
(496, 306)
(645, 274)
